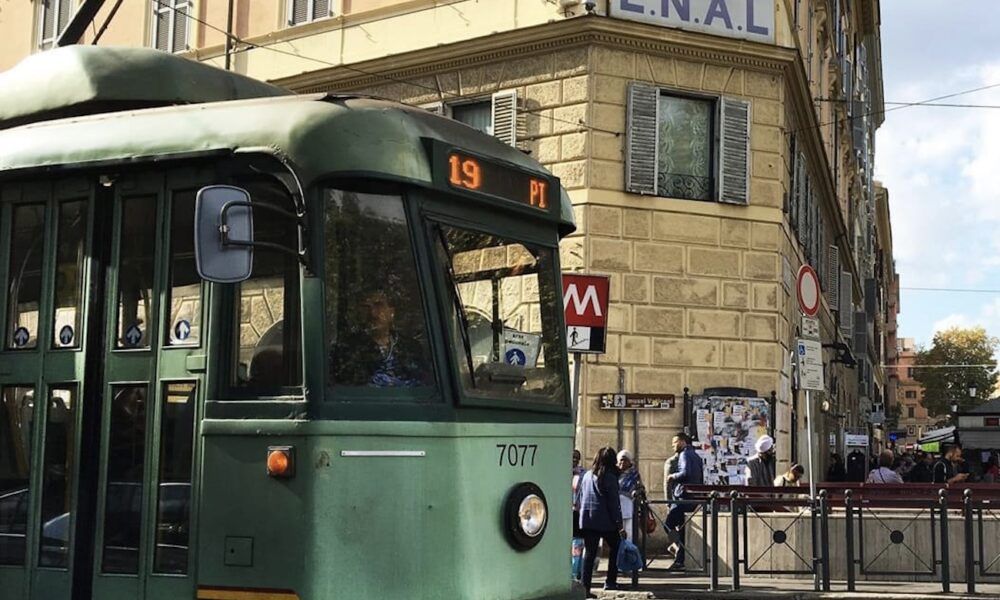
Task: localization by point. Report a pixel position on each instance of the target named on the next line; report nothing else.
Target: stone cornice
(542, 39)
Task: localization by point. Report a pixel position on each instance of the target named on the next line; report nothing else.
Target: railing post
(970, 552)
(945, 553)
(713, 507)
(734, 546)
(849, 529)
(824, 539)
(637, 513)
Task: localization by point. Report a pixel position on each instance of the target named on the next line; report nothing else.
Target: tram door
(100, 382)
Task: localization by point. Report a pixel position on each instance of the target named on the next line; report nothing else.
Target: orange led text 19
(465, 173)
(539, 194)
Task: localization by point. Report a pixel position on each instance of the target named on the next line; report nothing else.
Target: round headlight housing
(526, 514)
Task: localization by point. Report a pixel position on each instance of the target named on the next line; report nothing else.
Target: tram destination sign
(477, 174)
(637, 401)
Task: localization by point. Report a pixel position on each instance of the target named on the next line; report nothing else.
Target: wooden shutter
(321, 9)
(298, 11)
(48, 17)
(181, 10)
(642, 133)
(846, 312)
(504, 116)
(800, 195)
(65, 12)
(162, 24)
(734, 151)
(831, 283)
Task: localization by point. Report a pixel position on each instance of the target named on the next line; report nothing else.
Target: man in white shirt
(884, 472)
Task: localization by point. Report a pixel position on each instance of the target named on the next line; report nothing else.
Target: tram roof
(317, 135)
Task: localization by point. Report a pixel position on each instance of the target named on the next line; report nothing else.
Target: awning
(943, 435)
(980, 440)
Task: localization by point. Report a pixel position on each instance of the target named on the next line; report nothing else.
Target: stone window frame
(171, 8)
(300, 12)
(61, 11)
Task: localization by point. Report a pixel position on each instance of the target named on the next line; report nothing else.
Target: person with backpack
(601, 516)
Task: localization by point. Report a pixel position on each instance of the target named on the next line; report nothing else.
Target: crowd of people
(606, 496)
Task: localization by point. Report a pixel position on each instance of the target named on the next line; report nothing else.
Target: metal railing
(916, 522)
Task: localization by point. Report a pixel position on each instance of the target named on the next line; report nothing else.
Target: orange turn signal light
(281, 461)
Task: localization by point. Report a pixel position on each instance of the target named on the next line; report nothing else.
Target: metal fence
(849, 531)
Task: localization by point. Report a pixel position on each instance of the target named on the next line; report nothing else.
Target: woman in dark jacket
(601, 516)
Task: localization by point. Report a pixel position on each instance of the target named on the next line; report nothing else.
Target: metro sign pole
(585, 302)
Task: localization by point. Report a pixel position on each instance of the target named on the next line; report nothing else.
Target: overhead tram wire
(250, 46)
(951, 290)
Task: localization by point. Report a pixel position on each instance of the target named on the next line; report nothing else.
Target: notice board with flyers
(725, 430)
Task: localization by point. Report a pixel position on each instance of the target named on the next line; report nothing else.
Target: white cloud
(952, 320)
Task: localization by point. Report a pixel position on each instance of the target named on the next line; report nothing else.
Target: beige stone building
(709, 152)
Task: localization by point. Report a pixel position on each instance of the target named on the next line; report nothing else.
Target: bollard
(824, 539)
(849, 529)
(945, 553)
(713, 507)
(734, 547)
(970, 556)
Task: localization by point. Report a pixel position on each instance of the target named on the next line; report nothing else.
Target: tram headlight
(525, 515)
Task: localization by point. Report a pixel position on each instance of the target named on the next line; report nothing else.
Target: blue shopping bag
(629, 558)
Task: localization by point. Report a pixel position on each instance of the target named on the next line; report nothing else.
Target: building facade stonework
(762, 155)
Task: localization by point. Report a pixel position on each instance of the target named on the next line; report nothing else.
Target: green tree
(945, 386)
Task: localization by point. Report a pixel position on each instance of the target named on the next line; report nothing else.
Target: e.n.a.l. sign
(744, 19)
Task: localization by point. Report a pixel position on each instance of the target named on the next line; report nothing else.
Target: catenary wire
(251, 45)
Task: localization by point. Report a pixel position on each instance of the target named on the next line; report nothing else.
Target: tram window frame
(428, 395)
(468, 396)
(292, 305)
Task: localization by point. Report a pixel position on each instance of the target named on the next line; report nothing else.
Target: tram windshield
(505, 319)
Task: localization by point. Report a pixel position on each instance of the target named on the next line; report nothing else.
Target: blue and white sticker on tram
(66, 335)
(21, 336)
(182, 329)
(515, 356)
(133, 335)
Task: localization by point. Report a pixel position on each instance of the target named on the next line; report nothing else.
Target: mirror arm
(224, 229)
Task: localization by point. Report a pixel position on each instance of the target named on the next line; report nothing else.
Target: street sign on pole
(585, 300)
(810, 328)
(637, 401)
(807, 290)
(810, 362)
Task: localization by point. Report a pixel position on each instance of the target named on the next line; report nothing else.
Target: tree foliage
(945, 386)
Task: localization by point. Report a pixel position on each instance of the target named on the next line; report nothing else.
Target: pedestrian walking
(601, 516)
(760, 471)
(923, 471)
(629, 488)
(884, 472)
(576, 548)
(669, 468)
(790, 478)
(836, 473)
(690, 471)
(948, 468)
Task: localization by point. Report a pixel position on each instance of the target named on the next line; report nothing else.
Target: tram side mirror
(223, 234)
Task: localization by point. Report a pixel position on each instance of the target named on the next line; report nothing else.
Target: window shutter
(65, 12)
(831, 284)
(642, 137)
(846, 304)
(434, 107)
(858, 125)
(48, 9)
(734, 151)
(298, 11)
(800, 196)
(504, 116)
(180, 27)
(162, 38)
(321, 9)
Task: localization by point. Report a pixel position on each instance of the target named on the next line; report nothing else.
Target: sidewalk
(658, 584)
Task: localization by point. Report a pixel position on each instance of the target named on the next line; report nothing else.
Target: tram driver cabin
(253, 342)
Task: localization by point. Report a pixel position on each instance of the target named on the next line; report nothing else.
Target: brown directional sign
(637, 401)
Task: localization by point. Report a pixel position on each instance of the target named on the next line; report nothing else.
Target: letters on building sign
(743, 19)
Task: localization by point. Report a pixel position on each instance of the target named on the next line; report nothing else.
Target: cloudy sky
(942, 165)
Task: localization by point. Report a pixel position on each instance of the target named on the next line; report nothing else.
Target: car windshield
(504, 321)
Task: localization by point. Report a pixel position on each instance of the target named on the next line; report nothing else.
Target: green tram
(266, 346)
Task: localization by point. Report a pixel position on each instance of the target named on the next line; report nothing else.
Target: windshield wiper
(459, 306)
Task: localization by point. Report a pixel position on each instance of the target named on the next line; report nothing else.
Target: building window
(991, 421)
(689, 147)
(684, 148)
(911, 394)
(910, 412)
(53, 17)
(909, 372)
(170, 24)
(498, 115)
(304, 11)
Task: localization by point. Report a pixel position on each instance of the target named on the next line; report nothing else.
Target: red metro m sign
(585, 301)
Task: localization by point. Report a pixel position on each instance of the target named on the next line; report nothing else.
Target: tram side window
(184, 326)
(136, 266)
(268, 350)
(17, 415)
(375, 320)
(69, 273)
(25, 275)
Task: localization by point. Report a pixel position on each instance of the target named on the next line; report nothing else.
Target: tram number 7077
(515, 455)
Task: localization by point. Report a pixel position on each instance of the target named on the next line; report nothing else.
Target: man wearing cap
(760, 467)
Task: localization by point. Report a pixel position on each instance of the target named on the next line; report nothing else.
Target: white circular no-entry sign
(807, 289)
